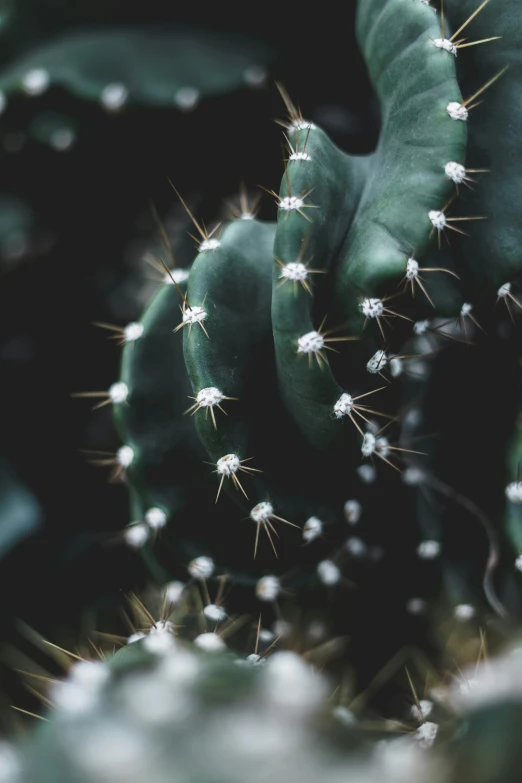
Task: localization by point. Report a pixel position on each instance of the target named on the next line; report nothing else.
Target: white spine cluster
(294, 271)
(268, 588)
(455, 171)
(262, 512)
(328, 572)
(137, 535)
(426, 734)
(176, 276)
(396, 367)
(173, 592)
(209, 396)
(372, 308)
(464, 612)
(504, 290)
(438, 219)
(377, 363)
(421, 327)
(290, 203)
(355, 546)
(133, 332)
(210, 642)
(412, 269)
(214, 613)
(312, 529)
(114, 96)
(311, 342)
(423, 710)
(186, 98)
(194, 315)
(125, 456)
(36, 82)
(428, 550)
(514, 492)
(201, 567)
(156, 518)
(518, 563)
(209, 244)
(352, 511)
(300, 156)
(457, 111)
(446, 44)
(343, 406)
(466, 309)
(118, 392)
(368, 445)
(228, 464)
(297, 125)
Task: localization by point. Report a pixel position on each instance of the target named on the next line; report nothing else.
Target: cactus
(285, 390)
(357, 264)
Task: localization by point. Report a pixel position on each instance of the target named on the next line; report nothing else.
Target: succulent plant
(294, 330)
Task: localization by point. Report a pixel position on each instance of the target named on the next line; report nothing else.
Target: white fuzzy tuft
(504, 290)
(228, 464)
(428, 550)
(377, 362)
(125, 456)
(416, 606)
(214, 613)
(210, 642)
(367, 473)
(186, 98)
(114, 96)
(372, 308)
(438, 219)
(209, 244)
(355, 546)
(300, 156)
(455, 171)
(194, 315)
(137, 535)
(209, 396)
(518, 563)
(201, 567)
(328, 572)
(311, 342)
(294, 271)
(133, 331)
(312, 529)
(297, 125)
(421, 711)
(176, 276)
(421, 327)
(173, 592)
(396, 367)
(352, 511)
(290, 203)
(466, 309)
(343, 406)
(412, 269)
(36, 82)
(262, 512)
(426, 734)
(464, 612)
(368, 444)
(156, 518)
(255, 75)
(514, 492)
(268, 588)
(446, 44)
(457, 111)
(413, 476)
(118, 392)
(135, 637)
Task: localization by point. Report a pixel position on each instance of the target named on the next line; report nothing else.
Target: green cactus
(282, 419)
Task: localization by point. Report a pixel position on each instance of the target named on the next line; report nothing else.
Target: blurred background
(101, 104)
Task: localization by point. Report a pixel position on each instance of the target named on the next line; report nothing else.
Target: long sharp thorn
(485, 87)
(469, 19)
